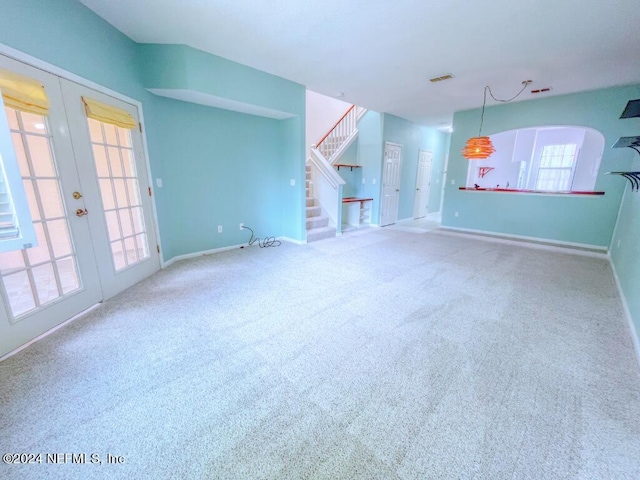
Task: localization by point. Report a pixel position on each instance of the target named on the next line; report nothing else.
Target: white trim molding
(625, 306)
(531, 242)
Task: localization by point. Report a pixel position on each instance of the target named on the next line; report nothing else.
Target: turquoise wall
(625, 246)
(370, 150)
(353, 178)
(413, 138)
(257, 156)
(588, 221)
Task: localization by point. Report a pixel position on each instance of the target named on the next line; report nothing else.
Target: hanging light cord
(525, 84)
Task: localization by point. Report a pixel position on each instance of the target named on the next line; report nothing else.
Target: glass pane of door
(34, 277)
(120, 191)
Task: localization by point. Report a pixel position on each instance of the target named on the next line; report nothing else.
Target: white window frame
(25, 235)
(571, 169)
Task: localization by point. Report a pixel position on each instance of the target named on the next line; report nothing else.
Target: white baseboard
(531, 242)
(199, 254)
(627, 312)
(224, 249)
(293, 240)
(49, 332)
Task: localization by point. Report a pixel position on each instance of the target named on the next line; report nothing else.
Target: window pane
(40, 156)
(113, 225)
(12, 118)
(125, 222)
(129, 163)
(39, 253)
(45, 281)
(110, 133)
(60, 240)
(100, 157)
(138, 220)
(130, 247)
(118, 255)
(11, 260)
(19, 292)
(124, 137)
(121, 193)
(34, 123)
(134, 192)
(18, 146)
(106, 190)
(31, 198)
(114, 162)
(51, 199)
(143, 248)
(95, 131)
(68, 274)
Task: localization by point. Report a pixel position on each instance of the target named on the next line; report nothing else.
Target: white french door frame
(60, 72)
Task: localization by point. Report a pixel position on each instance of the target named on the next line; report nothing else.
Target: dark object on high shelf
(632, 110)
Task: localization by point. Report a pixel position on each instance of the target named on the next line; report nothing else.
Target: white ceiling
(381, 53)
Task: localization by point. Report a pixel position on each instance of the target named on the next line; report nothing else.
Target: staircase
(317, 224)
(329, 190)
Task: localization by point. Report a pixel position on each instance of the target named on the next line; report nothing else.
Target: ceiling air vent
(446, 76)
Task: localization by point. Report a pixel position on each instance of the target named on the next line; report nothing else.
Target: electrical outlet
(453, 182)
(159, 182)
(618, 243)
(456, 214)
(363, 182)
(373, 181)
(241, 226)
(292, 182)
(219, 228)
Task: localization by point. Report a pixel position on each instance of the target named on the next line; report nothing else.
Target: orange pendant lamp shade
(478, 148)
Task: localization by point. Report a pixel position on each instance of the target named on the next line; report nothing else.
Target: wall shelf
(346, 165)
(633, 177)
(632, 110)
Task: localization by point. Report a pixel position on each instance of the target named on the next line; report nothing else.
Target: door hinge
(158, 248)
(149, 188)
(140, 127)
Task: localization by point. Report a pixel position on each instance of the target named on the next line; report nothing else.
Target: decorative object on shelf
(633, 177)
(478, 148)
(482, 171)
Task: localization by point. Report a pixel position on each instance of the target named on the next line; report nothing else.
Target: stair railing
(327, 187)
(330, 144)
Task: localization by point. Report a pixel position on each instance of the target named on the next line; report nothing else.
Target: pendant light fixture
(479, 148)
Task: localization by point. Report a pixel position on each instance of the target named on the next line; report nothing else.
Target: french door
(84, 181)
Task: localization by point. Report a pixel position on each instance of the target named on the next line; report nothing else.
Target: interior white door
(114, 175)
(51, 282)
(423, 184)
(391, 183)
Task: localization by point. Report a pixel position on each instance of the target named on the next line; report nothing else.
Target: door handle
(81, 212)
(397, 189)
(417, 189)
(77, 195)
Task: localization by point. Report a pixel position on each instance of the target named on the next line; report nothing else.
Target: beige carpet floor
(381, 354)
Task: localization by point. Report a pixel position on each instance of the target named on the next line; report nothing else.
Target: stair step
(320, 233)
(313, 211)
(317, 222)
(308, 168)
(311, 201)
(308, 174)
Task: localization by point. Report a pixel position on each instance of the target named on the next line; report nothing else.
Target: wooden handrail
(334, 127)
